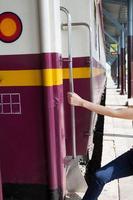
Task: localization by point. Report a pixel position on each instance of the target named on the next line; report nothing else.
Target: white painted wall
(28, 42)
(79, 11)
(29, 12)
(83, 11)
(50, 25)
(43, 18)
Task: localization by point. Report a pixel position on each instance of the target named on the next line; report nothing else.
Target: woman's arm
(76, 100)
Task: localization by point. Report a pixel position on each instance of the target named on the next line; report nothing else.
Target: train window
(10, 103)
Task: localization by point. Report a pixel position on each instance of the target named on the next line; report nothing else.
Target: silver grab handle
(89, 29)
(71, 84)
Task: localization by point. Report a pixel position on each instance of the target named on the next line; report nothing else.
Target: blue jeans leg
(118, 168)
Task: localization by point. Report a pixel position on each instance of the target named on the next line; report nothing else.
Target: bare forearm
(76, 100)
(126, 113)
(97, 108)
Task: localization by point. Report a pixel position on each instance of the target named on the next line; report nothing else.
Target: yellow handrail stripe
(46, 77)
(82, 72)
(20, 78)
(52, 77)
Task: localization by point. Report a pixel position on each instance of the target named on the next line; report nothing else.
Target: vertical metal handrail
(71, 84)
(89, 29)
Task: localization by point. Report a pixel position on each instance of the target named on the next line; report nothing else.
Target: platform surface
(118, 138)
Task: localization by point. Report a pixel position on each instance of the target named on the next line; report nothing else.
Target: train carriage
(35, 118)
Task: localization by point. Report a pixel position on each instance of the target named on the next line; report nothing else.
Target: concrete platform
(118, 138)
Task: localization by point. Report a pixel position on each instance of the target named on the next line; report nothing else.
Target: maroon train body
(35, 117)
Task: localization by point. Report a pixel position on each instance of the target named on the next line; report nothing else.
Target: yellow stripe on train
(82, 72)
(46, 77)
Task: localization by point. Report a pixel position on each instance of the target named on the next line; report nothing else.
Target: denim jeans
(118, 168)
